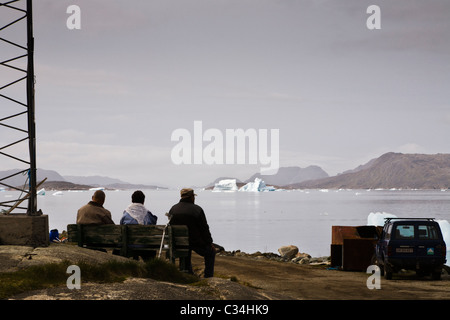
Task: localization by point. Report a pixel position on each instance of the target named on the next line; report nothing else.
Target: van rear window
(424, 232)
(404, 232)
(428, 232)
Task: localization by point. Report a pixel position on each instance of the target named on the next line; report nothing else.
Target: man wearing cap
(186, 212)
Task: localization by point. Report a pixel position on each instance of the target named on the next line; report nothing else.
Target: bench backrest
(127, 236)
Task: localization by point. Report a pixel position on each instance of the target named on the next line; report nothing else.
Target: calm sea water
(264, 221)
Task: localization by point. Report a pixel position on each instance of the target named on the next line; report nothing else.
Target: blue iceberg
(257, 186)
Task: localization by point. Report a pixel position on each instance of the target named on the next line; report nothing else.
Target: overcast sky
(110, 95)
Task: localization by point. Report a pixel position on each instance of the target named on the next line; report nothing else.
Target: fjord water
(264, 221)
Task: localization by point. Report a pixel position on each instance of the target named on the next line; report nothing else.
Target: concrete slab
(24, 230)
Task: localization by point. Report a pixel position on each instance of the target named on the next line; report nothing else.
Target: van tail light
(389, 251)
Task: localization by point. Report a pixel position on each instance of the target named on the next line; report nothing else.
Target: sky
(110, 95)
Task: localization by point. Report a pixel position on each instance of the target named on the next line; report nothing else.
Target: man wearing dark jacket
(186, 212)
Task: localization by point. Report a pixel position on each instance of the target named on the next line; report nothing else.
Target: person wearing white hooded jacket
(136, 212)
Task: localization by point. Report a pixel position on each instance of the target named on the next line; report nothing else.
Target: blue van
(411, 244)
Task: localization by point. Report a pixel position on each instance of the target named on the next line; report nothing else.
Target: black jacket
(187, 213)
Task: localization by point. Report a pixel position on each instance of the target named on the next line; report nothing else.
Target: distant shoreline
(69, 186)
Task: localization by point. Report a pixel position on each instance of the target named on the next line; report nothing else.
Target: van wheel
(421, 273)
(436, 275)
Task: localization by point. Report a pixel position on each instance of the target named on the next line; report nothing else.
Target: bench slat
(151, 240)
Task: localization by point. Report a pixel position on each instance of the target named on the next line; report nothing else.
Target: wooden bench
(133, 240)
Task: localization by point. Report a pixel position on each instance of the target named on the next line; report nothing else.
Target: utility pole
(32, 203)
(31, 228)
(24, 9)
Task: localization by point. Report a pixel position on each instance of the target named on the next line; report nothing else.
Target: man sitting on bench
(187, 213)
(93, 212)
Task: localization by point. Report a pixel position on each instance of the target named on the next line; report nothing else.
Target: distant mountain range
(391, 170)
(22, 179)
(57, 181)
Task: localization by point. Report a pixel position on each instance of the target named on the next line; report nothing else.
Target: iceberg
(41, 192)
(377, 218)
(445, 229)
(225, 185)
(257, 186)
(96, 189)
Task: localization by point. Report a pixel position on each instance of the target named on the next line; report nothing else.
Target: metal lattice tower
(17, 118)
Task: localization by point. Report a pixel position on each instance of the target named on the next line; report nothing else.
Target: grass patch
(36, 277)
(54, 274)
(235, 279)
(200, 283)
(244, 283)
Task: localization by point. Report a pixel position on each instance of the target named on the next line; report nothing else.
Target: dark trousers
(209, 254)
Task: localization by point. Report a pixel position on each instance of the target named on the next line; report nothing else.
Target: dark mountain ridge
(391, 170)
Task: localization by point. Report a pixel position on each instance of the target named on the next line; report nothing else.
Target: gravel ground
(256, 280)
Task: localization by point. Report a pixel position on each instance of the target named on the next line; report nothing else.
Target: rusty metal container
(352, 247)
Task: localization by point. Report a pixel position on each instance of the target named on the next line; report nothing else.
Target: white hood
(137, 211)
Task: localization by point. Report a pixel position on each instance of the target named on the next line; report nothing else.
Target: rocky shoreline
(287, 254)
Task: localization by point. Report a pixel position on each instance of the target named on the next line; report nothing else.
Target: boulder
(301, 258)
(304, 261)
(288, 252)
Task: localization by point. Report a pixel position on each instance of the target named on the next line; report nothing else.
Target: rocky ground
(255, 277)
